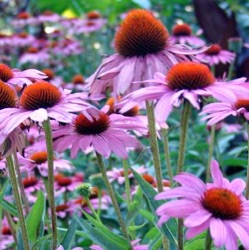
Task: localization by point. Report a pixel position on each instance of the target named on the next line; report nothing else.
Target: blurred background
(77, 33)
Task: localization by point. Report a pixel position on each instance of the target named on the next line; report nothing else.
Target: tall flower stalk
(18, 200)
(50, 153)
(112, 194)
(210, 151)
(154, 145)
(181, 157)
(167, 153)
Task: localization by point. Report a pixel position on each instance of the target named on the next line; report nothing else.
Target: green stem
(167, 154)
(247, 175)
(181, 157)
(154, 145)
(99, 201)
(208, 241)
(49, 143)
(230, 70)
(210, 151)
(213, 69)
(156, 156)
(18, 201)
(20, 183)
(183, 136)
(127, 181)
(89, 204)
(11, 225)
(112, 194)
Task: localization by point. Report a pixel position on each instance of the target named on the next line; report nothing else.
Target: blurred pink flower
(182, 33)
(215, 55)
(219, 206)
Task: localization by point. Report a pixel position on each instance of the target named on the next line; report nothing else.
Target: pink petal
(218, 232)
(216, 174)
(198, 218)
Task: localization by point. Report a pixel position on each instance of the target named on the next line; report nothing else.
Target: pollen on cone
(189, 75)
(140, 34)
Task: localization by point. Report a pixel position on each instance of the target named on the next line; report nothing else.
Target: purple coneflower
(219, 206)
(143, 48)
(185, 80)
(182, 33)
(17, 77)
(215, 55)
(39, 102)
(106, 133)
(220, 110)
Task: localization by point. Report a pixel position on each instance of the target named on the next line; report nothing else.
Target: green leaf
(66, 242)
(134, 207)
(197, 243)
(150, 193)
(147, 215)
(3, 190)
(19, 240)
(102, 236)
(35, 218)
(9, 207)
(134, 228)
(41, 241)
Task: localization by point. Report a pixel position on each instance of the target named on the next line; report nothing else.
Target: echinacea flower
(17, 77)
(14, 140)
(182, 33)
(77, 83)
(218, 111)
(143, 48)
(65, 183)
(106, 133)
(219, 206)
(215, 55)
(6, 237)
(49, 16)
(22, 39)
(34, 56)
(185, 80)
(118, 174)
(39, 102)
(38, 161)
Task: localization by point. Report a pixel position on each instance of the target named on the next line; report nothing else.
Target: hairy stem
(154, 145)
(167, 154)
(210, 151)
(18, 201)
(181, 157)
(112, 194)
(49, 143)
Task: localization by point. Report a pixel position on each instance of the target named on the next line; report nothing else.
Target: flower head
(95, 128)
(218, 111)
(41, 101)
(182, 33)
(219, 206)
(185, 80)
(215, 55)
(17, 77)
(143, 48)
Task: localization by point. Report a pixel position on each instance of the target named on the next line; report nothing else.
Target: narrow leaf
(150, 194)
(35, 217)
(103, 236)
(66, 242)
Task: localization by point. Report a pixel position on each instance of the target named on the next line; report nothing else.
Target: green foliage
(102, 236)
(69, 236)
(35, 218)
(150, 194)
